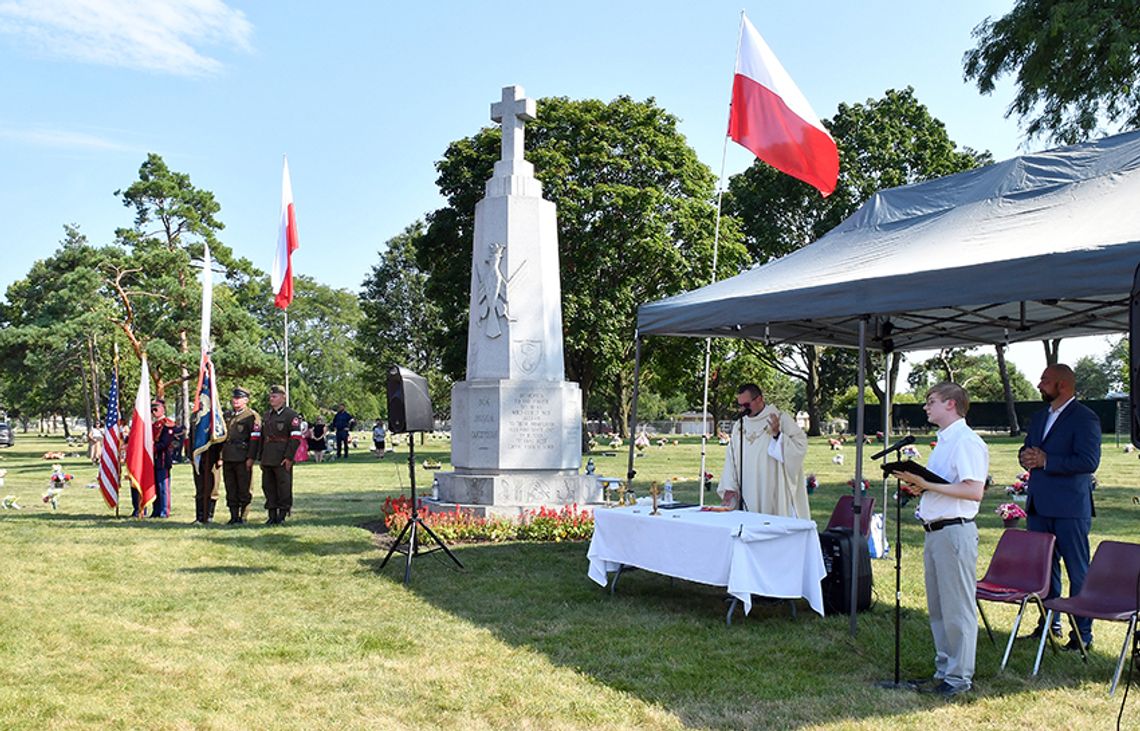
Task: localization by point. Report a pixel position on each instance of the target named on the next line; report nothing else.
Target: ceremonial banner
(773, 119)
(209, 423)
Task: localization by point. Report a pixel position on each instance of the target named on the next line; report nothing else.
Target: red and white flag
(771, 117)
(140, 444)
(287, 242)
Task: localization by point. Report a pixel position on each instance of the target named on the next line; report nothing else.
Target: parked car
(7, 436)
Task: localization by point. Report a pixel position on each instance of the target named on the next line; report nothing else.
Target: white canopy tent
(1039, 246)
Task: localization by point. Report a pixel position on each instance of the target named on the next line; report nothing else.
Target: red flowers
(568, 523)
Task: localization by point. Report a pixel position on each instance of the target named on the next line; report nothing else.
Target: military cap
(156, 401)
(240, 392)
(275, 388)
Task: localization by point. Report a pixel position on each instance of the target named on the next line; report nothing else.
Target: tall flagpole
(286, 313)
(716, 251)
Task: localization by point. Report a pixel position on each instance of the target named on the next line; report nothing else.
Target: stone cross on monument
(513, 112)
(515, 421)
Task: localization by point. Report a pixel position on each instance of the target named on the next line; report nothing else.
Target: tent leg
(630, 472)
(858, 499)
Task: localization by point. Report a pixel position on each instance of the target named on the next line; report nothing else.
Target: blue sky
(365, 96)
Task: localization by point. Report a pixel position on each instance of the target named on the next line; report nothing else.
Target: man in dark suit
(1061, 452)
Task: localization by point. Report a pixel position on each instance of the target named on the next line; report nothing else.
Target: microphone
(908, 439)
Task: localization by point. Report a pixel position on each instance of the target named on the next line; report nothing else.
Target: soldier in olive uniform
(280, 438)
(241, 448)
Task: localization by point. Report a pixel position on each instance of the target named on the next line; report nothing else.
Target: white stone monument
(516, 423)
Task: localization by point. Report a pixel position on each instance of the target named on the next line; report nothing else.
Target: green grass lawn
(118, 624)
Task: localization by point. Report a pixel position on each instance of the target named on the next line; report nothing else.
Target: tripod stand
(414, 525)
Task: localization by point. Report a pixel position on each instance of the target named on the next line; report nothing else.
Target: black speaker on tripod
(409, 405)
(409, 410)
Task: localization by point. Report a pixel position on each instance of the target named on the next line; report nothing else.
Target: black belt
(940, 524)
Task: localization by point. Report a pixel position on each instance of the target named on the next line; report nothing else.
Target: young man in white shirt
(950, 553)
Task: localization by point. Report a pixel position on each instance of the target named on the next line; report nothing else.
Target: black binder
(914, 468)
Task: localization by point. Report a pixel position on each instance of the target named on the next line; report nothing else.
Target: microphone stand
(740, 467)
(900, 499)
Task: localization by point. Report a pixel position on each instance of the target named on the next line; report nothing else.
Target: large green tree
(635, 223)
(1076, 64)
(883, 143)
(401, 324)
(156, 279)
(324, 366)
(976, 372)
(52, 325)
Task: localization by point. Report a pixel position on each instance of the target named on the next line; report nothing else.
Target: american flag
(109, 469)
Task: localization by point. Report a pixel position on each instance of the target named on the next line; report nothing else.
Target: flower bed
(545, 524)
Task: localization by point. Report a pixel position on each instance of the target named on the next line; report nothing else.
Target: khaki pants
(950, 558)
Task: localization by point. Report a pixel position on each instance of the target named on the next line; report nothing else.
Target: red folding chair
(1018, 574)
(1110, 593)
(844, 514)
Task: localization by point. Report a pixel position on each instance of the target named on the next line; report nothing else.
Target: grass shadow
(667, 643)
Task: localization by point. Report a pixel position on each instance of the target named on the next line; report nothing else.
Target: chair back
(844, 514)
(1112, 577)
(1022, 560)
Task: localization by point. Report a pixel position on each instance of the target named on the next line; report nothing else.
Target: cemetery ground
(121, 624)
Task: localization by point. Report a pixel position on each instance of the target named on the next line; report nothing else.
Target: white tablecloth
(749, 553)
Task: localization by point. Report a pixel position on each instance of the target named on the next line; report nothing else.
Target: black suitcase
(838, 544)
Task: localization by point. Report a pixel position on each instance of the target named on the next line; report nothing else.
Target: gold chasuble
(773, 468)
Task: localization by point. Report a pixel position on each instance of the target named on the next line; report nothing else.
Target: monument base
(512, 493)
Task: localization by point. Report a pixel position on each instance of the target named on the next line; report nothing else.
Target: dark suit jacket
(1063, 489)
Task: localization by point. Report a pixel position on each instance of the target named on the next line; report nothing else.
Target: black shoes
(1036, 634)
(943, 689)
(1074, 645)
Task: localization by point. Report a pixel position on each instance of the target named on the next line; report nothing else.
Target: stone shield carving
(528, 355)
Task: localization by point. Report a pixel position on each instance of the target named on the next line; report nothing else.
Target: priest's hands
(730, 499)
(774, 425)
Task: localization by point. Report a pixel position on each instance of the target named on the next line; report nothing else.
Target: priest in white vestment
(773, 455)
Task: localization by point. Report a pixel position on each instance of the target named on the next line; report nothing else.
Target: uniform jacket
(280, 436)
(1063, 489)
(164, 443)
(243, 436)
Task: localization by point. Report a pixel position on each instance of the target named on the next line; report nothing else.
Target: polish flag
(140, 444)
(287, 242)
(773, 119)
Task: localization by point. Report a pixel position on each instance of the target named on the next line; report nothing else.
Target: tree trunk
(184, 417)
(86, 400)
(811, 390)
(94, 377)
(1052, 351)
(1010, 411)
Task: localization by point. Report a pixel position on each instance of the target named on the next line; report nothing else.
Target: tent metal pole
(704, 422)
(630, 472)
(888, 361)
(858, 498)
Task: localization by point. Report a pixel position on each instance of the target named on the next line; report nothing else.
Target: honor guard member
(280, 438)
(164, 444)
(241, 448)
